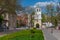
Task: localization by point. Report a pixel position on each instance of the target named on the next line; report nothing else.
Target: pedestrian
(5, 27)
(51, 30)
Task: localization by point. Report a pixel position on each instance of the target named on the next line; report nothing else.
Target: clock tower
(37, 18)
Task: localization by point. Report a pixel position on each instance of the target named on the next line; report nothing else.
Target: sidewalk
(11, 31)
(48, 35)
(56, 33)
(8, 32)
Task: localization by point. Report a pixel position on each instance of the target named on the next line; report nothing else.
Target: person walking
(5, 27)
(51, 30)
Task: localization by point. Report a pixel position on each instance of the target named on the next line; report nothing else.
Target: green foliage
(17, 25)
(32, 31)
(1, 19)
(32, 18)
(56, 23)
(50, 10)
(44, 18)
(58, 17)
(24, 35)
(51, 17)
(34, 28)
(33, 13)
(9, 5)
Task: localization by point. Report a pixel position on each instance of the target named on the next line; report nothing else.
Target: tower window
(37, 10)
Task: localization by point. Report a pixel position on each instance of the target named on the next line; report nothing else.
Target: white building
(37, 17)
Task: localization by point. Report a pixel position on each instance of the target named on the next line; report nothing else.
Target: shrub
(34, 28)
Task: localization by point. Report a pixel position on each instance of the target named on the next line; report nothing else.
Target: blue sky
(41, 3)
(25, 3)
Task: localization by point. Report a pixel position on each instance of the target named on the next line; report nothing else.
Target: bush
(1, 19)
(34, 28)
(32, 31)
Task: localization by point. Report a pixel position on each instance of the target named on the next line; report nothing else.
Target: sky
(34, 3)
(26, 3)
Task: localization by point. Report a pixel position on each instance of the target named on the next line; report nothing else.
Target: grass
(24, 35)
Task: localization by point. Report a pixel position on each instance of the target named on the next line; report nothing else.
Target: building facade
(22, 19)
(37, 18)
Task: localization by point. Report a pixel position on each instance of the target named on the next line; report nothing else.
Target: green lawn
(24, 35)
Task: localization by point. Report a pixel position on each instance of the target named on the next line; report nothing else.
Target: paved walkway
(11, 31)
(48, 35)
(56, 33)
(8, 32)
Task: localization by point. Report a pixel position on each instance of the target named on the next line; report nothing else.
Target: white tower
(37, 17)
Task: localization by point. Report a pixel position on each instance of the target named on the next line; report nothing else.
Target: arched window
(37, 10)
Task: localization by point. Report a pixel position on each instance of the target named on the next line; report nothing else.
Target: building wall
(29, 19)
(37, 17)
(39, 22)
(23, 19)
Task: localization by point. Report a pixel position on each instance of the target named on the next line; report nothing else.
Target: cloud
(45, 3)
